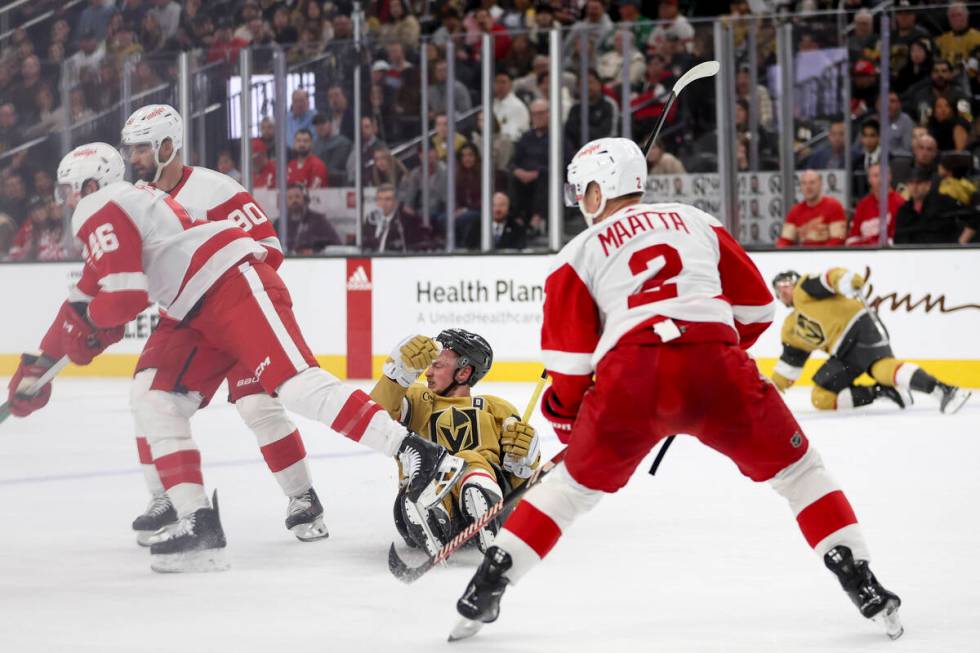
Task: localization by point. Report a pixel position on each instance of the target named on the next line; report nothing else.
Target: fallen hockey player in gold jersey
(500, 451)
(828, 315)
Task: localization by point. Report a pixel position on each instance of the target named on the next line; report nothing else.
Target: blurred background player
(827, 315)
(647, 316)
(141, 247)
(152, 138)
(500, 451)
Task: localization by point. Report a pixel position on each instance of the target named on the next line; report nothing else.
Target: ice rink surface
(695, 559)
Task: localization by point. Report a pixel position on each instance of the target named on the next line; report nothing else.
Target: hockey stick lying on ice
(408, 574)
(700, 71)
(45, 378)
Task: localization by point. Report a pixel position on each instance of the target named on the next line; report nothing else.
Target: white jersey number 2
(248, 216)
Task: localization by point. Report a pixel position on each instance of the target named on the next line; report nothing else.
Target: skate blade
(957, 402)
(888, 619)
(449, 472)
(464, 629)
(189, 563)
(149, 538)
(311, 532)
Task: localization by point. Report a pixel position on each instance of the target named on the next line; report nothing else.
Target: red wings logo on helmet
(591, 149)
(86, 152)
(159, 111)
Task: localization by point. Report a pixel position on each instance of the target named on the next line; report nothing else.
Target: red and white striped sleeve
(753, 304)
(244, 210)
(113, 280)
(570, 333)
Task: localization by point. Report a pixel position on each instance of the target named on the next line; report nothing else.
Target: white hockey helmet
(617, 165)
(152, 125)
(99, 161)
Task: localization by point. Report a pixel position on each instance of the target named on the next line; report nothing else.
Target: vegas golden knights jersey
(469, 427)
(820, 316)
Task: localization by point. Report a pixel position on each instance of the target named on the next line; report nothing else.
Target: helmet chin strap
(590, 217)
(161, 166)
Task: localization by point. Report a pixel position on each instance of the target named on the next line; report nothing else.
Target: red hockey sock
(825, 516)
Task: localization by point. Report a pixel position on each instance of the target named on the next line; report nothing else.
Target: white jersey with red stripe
(657, 266)
(141, 246)
(211, 195)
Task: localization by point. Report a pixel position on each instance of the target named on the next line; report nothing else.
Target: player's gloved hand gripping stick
(408, 574)
(38, 385)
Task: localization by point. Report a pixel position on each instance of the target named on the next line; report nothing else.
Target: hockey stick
(35, 388)
(408, 574)
(700, 71)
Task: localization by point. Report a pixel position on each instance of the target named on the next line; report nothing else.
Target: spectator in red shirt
(817, 220)
(41, 237)
(225, 45)
(306, 168)
(501, 38)
(264, 175)
(866, 225)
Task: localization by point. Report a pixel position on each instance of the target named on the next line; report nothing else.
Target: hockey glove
(80, 339)
(850, 284)
(29, 371)
(556, 416)
(519, 445)
(410, 358)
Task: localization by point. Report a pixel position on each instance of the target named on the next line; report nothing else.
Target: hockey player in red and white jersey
(141, 246)
(152, 140)
(647, 317)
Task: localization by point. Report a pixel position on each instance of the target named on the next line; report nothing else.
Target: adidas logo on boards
(359, 280)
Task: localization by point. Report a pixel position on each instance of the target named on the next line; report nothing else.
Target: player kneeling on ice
(647, 316)
(141, 246)
(828, 315)
(500, 451)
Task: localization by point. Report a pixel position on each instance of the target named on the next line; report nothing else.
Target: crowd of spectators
(68, 69)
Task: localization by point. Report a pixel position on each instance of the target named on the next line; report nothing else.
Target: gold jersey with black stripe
(820, 320)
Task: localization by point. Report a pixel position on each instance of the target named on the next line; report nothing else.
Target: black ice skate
(159, 513)
(480, 603)
(304, 517)
(195, 543)
(951, 398)
(430, 469)
(873, 600)
(902, 399)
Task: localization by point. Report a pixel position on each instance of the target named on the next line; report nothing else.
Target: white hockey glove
(850, 284)
(410, 358)
(519, 445)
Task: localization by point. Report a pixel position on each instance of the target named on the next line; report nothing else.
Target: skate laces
(300, 503)
(158, 505)
(183, 526)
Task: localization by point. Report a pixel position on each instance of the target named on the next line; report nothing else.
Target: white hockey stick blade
(464, 629)
(700, 71)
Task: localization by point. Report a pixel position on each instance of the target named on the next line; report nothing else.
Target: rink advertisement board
(928, 299)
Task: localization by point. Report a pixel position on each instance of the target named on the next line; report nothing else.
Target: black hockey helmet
(789, 276)
(472, 350)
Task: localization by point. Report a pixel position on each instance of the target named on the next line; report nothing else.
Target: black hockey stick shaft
(700, 71)
(661, 454)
